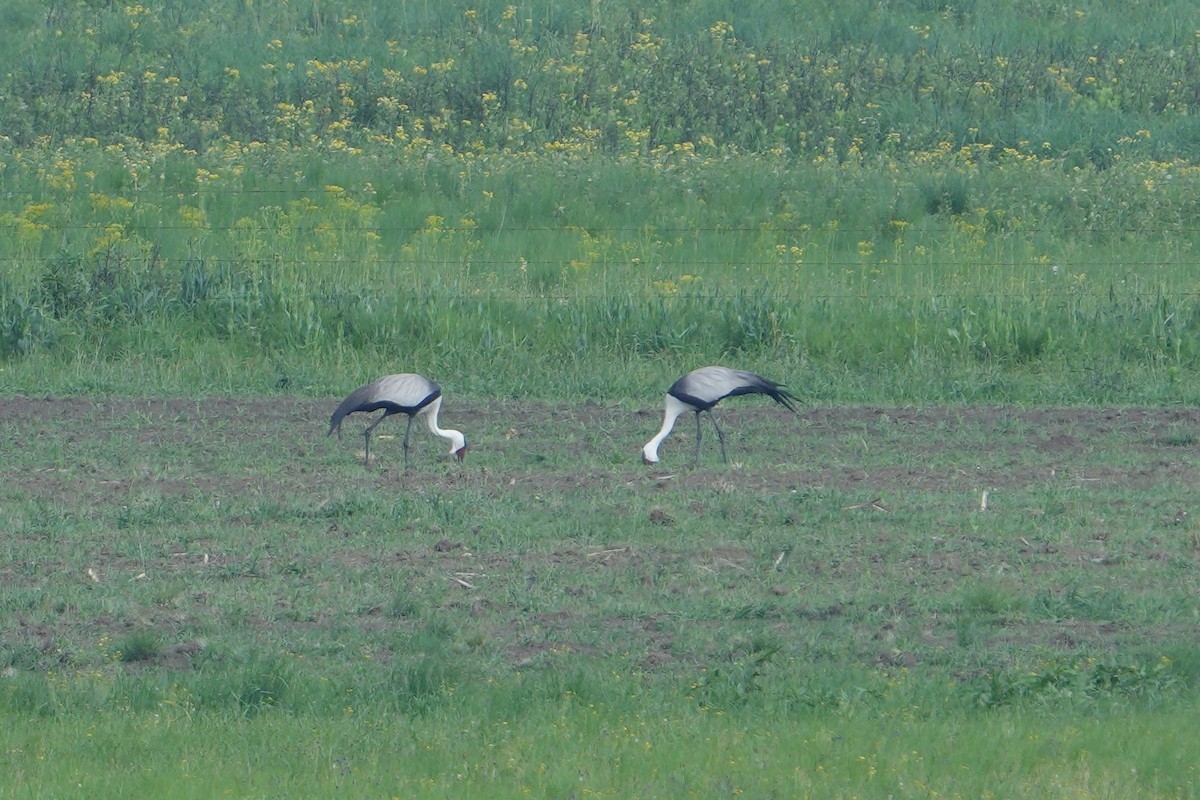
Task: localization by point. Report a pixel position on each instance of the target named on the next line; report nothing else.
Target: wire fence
(831, 250)
(1056, 267)
(571, 229)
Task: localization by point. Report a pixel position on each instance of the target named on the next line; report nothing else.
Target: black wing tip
(778, 393)
(785, 398)
(775, 391)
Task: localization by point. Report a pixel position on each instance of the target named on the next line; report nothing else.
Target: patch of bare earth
(57, 445)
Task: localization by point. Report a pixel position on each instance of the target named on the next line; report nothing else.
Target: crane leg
(367, 439)
(720, 437)
(407, 431)
(699, 435)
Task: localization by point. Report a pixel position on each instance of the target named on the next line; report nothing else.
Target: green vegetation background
(874, 201)
(903, 201)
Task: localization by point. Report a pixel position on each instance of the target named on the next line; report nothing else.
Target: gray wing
(705, 387)
(406, 392)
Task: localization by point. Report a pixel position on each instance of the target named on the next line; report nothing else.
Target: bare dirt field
(584, 445)
(897, 537)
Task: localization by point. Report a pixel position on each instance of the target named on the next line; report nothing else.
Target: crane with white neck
(407, 393)
(699, 391)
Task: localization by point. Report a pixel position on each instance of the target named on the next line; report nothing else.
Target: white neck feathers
(457, 440)
(674, 407)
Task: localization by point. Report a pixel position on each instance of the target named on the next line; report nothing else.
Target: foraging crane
(700, 390)
(408, 394)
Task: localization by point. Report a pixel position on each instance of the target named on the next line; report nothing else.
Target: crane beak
(461, 453)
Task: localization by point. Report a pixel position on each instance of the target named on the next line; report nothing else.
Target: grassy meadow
(962, 233)
(209, 597)
(899, 202)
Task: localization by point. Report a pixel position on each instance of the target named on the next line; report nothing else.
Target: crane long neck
(432, 422)
(673, 409)
(457, 440)
(431, 419)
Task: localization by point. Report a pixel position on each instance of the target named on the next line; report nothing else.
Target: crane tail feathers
(784, 398)
(773, 390)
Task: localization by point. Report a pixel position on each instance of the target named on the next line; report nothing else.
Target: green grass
(199, 582)
(624, 78)
(921, 307)
(963, 234)
(570, 746)
(932, 205)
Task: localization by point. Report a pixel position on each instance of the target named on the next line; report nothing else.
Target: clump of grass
(405, 605)
(264, 682)
(24, 326)
(29, 692)
(1086, 679)
(421, 684)
(139, 646)
(1074, 602)
(991, 599)
(946, 194)
(734, 683)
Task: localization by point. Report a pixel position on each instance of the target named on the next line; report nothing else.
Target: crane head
(458, 445)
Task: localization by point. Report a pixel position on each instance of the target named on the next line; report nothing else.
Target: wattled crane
(699, 391)
(408, 394)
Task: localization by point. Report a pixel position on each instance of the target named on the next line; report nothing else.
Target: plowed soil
(859, 529)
